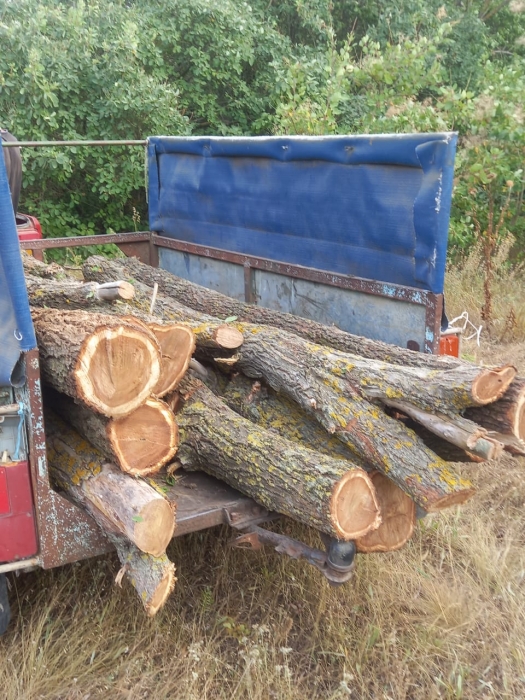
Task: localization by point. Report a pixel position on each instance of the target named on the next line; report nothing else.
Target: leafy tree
(75, 71)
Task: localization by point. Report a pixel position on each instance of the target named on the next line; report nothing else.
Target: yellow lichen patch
(393, 393)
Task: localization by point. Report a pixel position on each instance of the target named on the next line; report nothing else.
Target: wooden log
(221, 306)
(263, 406)
(328, 494)
(97, 359)
(398, 514)
(133, 507)
(296, 368)
(152, 577)
(457, 430)
(71, 294)
(260, 404)
(507, 415)
(140, 444)
(177, 345)
(36, 268)
(429, 389)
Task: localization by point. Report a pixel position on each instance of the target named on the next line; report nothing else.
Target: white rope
(467, 322)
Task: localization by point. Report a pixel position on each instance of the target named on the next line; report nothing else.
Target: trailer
(349, 231)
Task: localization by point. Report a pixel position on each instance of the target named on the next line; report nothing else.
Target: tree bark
(140, 444)
(446, 390)
(456, 430)
(152, 577)
(507, 415)
(72, 294)
(222, 306)
(303, 372)
(36, 268)
(398, 514)
(260, 404)
(109, 365)
(210, 332)
(133, 507)
(263, 406)
(328, 494)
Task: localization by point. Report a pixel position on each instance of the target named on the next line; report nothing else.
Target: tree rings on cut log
(228, 337)
(398, 516)
(146, 440)
(507, 415)
(351, 505)
(491, 384)
(117, 370)
(148, 521)
(108, 364)
(177, 345)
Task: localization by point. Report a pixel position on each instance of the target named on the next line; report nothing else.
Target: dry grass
(443, 618)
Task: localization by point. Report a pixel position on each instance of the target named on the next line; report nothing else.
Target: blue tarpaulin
(16, 327)
(376, 206)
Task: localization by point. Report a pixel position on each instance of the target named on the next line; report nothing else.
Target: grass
(442, 618)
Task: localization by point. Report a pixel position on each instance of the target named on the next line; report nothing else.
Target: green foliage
(75, 71)
(124, 69)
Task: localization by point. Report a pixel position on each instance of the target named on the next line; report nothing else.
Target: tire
(5, 610)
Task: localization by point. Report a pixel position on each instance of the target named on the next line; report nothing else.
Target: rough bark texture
(505, 416)
(222, 306)
(453, 389)
(109, 365)
(133, 507)
(384, 443)
(71, 294)
(456, 430)
(140, 444)
(152, 577)
(398, 514)
(35, 267)
(325, 493)
(210, 332)
(177, 345)
(262, 405)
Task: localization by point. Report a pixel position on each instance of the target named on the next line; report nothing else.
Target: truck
(345, 230)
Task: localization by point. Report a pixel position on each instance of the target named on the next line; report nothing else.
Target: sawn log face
(325, 493)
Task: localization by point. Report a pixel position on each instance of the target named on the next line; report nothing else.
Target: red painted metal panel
(18, 538)
(5, 507)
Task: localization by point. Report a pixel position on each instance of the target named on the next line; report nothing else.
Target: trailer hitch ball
(341, 555)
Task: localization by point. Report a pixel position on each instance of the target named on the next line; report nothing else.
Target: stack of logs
(341, 433)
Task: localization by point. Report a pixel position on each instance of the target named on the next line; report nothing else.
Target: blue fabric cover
(376, 207)
(16, 327)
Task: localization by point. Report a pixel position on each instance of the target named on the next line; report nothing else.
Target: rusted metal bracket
(255, 537)
(243, 519)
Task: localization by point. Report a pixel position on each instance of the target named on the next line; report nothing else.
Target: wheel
(5, 610)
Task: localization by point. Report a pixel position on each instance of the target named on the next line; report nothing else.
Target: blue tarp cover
(376, 206)
(16, 327)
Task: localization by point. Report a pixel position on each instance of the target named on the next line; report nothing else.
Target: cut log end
(152, 577)
(491, 384)
(519, 430)
(177, 345)
(398, 516)
(354, 506)
(117, 370)
(111, 291)
(154, 527)
(228, 337)
(146, 440)
(162, 592)
(452, 499)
